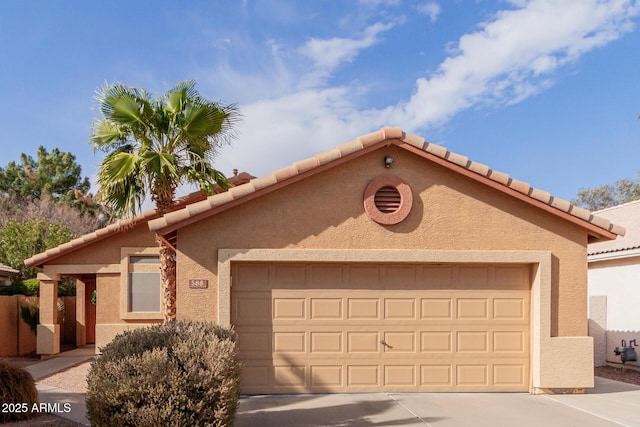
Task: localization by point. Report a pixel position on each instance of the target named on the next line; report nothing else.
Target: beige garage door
(347, 328)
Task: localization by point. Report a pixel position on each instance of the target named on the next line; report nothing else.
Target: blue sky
(544, 90)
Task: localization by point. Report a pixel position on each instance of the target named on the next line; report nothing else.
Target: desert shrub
(18, 388)
(175, 373)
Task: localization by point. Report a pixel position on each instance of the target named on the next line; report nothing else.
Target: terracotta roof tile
(399, 137)
(519, 186)
(125, 224)
(306, 164)
(434, 149)
(543, 196)
(285, 173)
(416, 141)
(7, 269)
(498, 177)
(242, 190)
(264, 181)
(328, 156)
(171, 221)
(350, 147)
(561, 204)
(371, 138)
(479, 168)
(458, 159)
(391, 132)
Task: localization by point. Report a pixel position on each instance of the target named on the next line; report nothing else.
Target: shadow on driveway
(325, 410)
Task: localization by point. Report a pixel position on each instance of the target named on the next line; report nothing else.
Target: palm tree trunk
(168, 279)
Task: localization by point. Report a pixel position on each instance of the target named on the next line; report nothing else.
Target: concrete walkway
(59, 402)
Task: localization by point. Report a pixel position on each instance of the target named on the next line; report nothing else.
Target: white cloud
(505, 61)
(509, 58)
(431, 9)
(328, 54)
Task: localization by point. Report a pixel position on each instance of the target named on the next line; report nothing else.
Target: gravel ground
(630, 376)
(73, 379)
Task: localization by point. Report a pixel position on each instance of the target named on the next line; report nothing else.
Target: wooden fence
(17, 339)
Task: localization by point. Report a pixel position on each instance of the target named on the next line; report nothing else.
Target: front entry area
(373, 327)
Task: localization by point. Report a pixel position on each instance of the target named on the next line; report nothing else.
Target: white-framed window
(141, 289)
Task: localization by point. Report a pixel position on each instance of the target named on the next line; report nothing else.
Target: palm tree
(154, 145)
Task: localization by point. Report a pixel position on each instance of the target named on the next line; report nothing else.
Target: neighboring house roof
(124, 225)
(628, 215)
(598, 228)
(8, 271)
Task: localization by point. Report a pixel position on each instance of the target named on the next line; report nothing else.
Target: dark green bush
(16, 387)
(175, 373)
(15, 288)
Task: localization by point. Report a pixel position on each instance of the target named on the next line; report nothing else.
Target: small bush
(32, 287)
(175, 373)
(30, 314)
(16, 387)
(15, 288)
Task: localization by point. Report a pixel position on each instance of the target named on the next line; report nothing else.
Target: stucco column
(48, 336)
(81, 337)
(598, 328)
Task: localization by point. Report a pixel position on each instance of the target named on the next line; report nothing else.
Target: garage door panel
(399, 342)
(326, 309)
(345, 328)
(289, 308)
(400, 375)
(436, 308)
(472, 308)
(363, 342)
(326, 342)
(363, 309)
(363, 376)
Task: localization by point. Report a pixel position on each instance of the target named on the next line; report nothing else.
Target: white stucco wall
(618, 281)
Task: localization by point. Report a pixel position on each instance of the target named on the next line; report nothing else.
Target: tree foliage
(154, 145)
(54, 173)
(607, 195)
(20, 240)
(44, 202)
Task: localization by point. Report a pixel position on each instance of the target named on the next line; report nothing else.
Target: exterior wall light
(388, 161)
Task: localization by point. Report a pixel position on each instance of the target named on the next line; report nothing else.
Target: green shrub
(16, 387)
(175, 373)
(32, 287)
(15, 288)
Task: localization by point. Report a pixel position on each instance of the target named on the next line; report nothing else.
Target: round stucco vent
(388, 200)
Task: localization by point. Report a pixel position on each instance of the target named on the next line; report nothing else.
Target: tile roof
(245, 187)
(7, 269)
(628, 215)
(123, 225)
(599, 228)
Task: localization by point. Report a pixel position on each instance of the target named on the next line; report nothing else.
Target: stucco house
(385, 264)
(7, 274)
(614, 285)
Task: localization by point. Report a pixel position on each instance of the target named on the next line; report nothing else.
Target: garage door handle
(383, 342)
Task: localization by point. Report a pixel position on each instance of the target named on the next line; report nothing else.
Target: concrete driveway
(610, 403)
